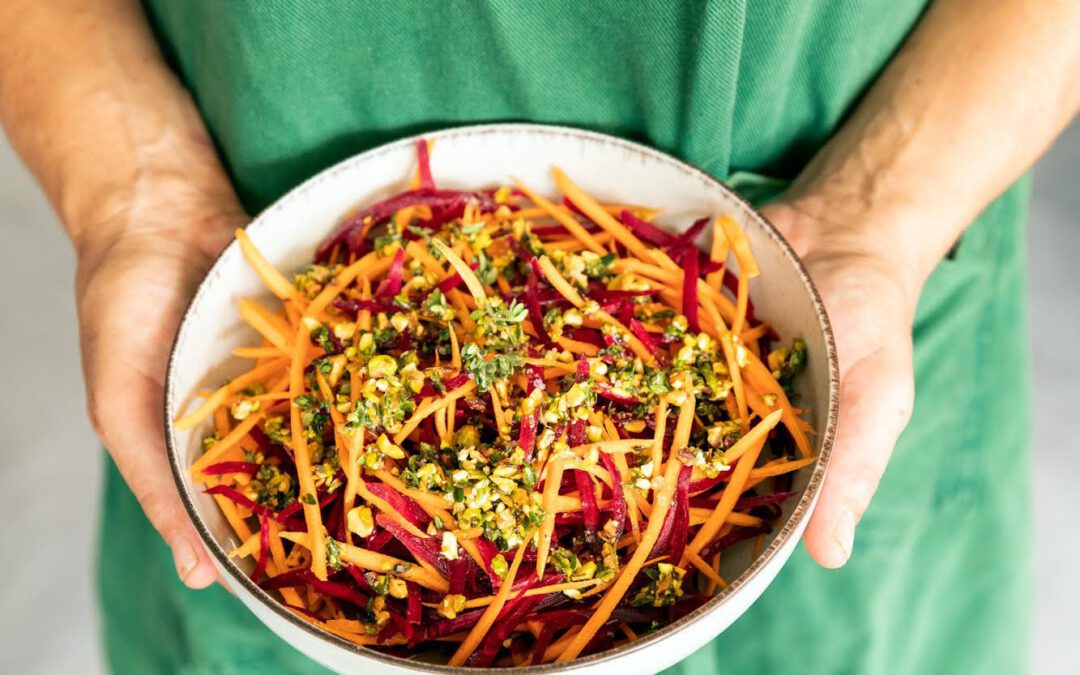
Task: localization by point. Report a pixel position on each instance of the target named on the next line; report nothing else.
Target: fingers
(876, 396)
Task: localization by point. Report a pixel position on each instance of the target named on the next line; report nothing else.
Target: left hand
(870, 296)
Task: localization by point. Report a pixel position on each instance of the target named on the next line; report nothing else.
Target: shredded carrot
(781, 468)
(552, 482)
(598, 215)
(312, 515)
(429, 406)
(565, 219)
(746, 449)
(274, 280)
(215, 400)
(257, 352)
(740, 245)
(556, 279)
(215, 451)
(476, 288)
(719, 253)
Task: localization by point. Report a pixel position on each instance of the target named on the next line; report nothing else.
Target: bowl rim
(800, 513)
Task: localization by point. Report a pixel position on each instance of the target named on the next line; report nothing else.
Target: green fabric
(745, 90)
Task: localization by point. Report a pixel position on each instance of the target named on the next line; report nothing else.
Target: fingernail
(844, 531)
(184, 557)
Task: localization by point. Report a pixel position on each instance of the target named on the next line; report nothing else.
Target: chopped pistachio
(360, 521)
(451, 605)
(449, 547)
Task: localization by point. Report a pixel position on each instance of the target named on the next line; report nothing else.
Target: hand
(132, 287)
(870, 294)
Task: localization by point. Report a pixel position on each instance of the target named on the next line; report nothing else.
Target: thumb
(876, 397)
(128, 421)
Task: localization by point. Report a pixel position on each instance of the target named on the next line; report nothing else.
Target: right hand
(133, 282)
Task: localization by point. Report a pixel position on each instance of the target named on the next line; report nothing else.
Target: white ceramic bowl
(611, 169)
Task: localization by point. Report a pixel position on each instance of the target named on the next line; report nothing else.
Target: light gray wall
(1054, 254)
(51, 466)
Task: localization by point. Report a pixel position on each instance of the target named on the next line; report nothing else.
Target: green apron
(938, 582)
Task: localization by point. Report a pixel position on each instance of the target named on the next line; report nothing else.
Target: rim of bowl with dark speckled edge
(800, 512)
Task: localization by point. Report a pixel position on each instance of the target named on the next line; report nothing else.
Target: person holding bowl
(886, 138)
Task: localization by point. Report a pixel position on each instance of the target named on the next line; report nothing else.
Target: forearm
(977, 93)
(104, 125)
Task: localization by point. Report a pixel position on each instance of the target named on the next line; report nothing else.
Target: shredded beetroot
(587, 335)
(763, 500)
(688, 238)
(589, 509)
(328, 588)
(391, 285)
(488, 551)
(705, 484)
(269, 448)
(380, 212)
(504, 625)
(427, 549)
(681, 527)
(535, 379)
(258, 509)
(423, 161)
(584, 484)
(354, 307)
(532, 302)
(449, 384)
(646, 231)
(396, 624)
(638, 329)
(337, 591)
(622, 309)
(414, 613)
(403, 505)
(377, 541)
(527, 434)
(288, 579)
(543, 641)
(440, 217)
(672, 536)
(463, 621)
(530, 423)
(582, 375)
(459, 573)
(732, 538)
(222, 468)
(617, 506)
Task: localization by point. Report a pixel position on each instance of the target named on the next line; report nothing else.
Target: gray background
(50, 478)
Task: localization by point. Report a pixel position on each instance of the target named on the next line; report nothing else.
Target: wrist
(840, 199)
(196, 218)
(820, 227)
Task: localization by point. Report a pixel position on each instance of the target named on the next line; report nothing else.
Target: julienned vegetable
(508, 429)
